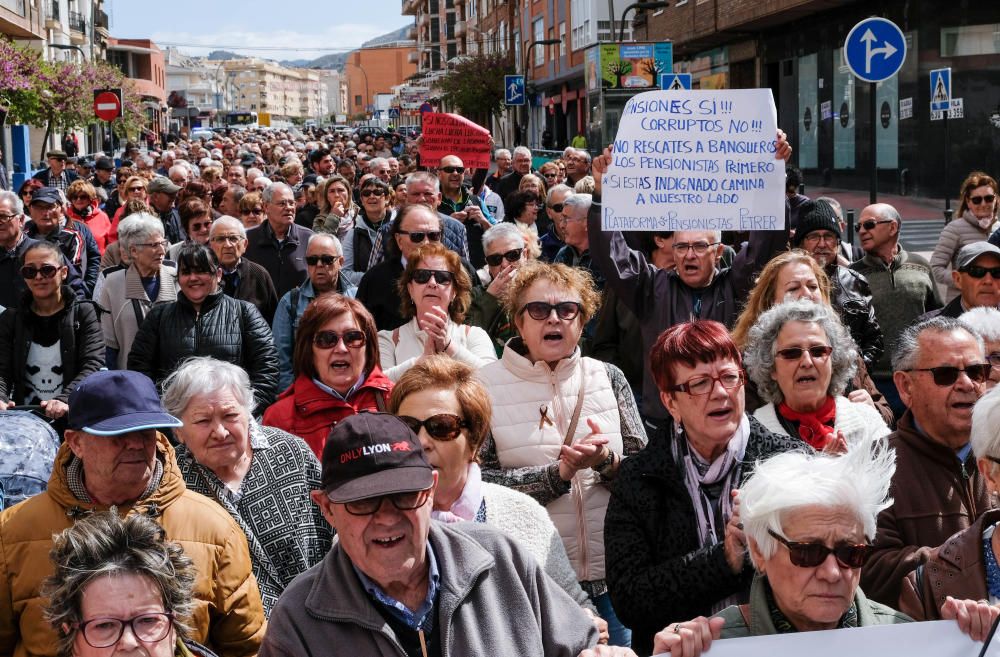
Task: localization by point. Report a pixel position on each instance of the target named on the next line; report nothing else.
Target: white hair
(985, 321)
(501, 231)
(499, 152)
(15, 201)
(555, 189)
(522, 150)
(202, 375)
(580, 204)
(268, 194)
(230, 222)
(858, 481)
(376, 162)
(179, 168)
(985, 437)
(337, 246)
(137, 228)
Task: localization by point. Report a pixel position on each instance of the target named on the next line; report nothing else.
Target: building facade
(143, 63)
(286, 94)
(376, 70)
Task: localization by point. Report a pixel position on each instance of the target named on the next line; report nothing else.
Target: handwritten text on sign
(451, 134)
(696, 160)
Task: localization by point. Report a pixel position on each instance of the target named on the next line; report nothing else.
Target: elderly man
(977, 277)
(577, 165)
(576, 236)
(324, 259)
(379, 167)
(395, 583)
(241, 278)
(114, 456)
(279, 244)
(13, 243)
(231, 198)
(459, 203)
(237, 175)
(179, 174)
(161, 193)
(901, 283)
(74, 239)
(504, 247)
(521, 166)
(940, 370)
(504, 162)
(104, 175)
(57, 175)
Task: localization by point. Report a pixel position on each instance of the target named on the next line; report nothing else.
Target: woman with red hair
(674, 544)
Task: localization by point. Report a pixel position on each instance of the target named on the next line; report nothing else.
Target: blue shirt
(423, 617)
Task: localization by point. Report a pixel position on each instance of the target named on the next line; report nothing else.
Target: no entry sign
(107, 104)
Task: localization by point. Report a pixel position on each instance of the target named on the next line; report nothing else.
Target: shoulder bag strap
(380, 401)
(139, 314)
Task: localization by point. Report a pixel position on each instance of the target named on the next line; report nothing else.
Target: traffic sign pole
(873, 142)
(947, 191)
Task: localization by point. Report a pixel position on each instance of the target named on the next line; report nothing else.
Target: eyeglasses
(976, 271)
(494, 260)
(550, 174)
(162, 244)
(136, 189)
(372, 192)
(29, 272)
(326, 259)
(557, 207)
(227, 239)
(201, 225)
(452, 169)
(976, 200)
(353, 339)
(402, 501)
(423, 276)
(540, 310)
(106, 632)
(79, 197)
(817, 237)
(994, 359)
(947, 375)
(702, 385)
(810, 555)
(699, 248)
(870, 224)
(254, 211)
(816, 352)
(418, 237)
(4, 218)
(443, 426)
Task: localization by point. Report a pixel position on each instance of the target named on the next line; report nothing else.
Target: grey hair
(584, 154)
(337, 246)
(833, 203)
(272, 189)
(501, 231)
(377, 162)
(501, 151)
(14, 200)
(522, 150)
(908, 344)
(137, 228)
(181, 166)
(106, 545)
(985, 436)
(585, 185)
(984, 321)
(227, 221)
(202, 375)
(762, 344)
(858, 481)
(579, 203)
(566, 189)
(424, 177)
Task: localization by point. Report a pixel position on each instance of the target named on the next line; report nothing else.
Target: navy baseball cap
(114, 402)
(373, 454)
(48, 195)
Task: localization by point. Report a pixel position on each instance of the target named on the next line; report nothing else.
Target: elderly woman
(135, 190)
(376, 211)
(986, 322)
(252, 210)
(674, 547)
(196, 219)
(505, 248)
(435, 293)
(84, 207)
(205, 322)
(563, 423)
(809, 520)
(225, 455)
(977, 215)
(801, 357)
(119, 587)
(337, 208)
(336, 368)
(521, 209)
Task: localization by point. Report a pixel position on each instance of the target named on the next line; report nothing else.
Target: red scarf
(813, 427)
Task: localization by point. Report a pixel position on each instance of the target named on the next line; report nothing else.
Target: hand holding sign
(450, 134)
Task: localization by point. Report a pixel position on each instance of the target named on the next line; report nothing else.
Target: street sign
(940, 89)
(675, 81)
(513, 87)
(393, 112)
(956, 110)
(426, 107)
(107, 104)
(875, 49)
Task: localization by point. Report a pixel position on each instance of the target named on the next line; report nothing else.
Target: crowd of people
(314, 396)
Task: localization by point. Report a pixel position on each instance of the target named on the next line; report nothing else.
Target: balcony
(20, 20)
(77, 28)
(101, 21)
(52, 15)
(410, 7)
(411, 33)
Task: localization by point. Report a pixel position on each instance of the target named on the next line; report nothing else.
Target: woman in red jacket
(84, 207)
(337, 374)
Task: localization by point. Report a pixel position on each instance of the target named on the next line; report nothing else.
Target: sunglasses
(976, 200)
(977, 271)
(326, 259)
(443, 426)
(423, 276)
(794, 353)
(196, 227)
(372, 192)
(402, 501)
(810, 555)
(353, 339)
(47, 271)
(870, 224)
(946, 375)
(79, 197)
(557, 207)
(495, 259)
(453, 169)
(540, 310)
(136, 189)
(418, 237)
(254, 211)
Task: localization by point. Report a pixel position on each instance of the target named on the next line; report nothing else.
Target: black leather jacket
(224, 328)
(852, 297)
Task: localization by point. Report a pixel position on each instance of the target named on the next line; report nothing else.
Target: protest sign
(695, 160)
(931, 639)
(451, 134)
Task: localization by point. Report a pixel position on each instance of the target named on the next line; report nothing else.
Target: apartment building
(257, 85)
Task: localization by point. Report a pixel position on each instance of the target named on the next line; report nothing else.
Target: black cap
(49, 195)
(373, 454)
(816, 215)
(105, 163)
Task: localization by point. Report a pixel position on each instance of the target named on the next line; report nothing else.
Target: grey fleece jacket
(494, 600)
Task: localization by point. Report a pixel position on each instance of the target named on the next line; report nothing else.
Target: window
(538, 28)
(358, 100)
(967, 40)
(582, 32)
(562, 39)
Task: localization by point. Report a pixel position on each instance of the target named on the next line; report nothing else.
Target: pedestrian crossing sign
(675, 81)
(940, 89)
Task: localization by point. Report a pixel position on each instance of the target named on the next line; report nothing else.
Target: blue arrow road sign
(875, 49)
(940, 89)
(393, 112)
(675, 81)
(513, 86)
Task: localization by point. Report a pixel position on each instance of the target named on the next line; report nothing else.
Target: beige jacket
(118, 296)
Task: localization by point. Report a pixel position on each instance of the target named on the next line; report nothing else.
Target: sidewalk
(909, 207)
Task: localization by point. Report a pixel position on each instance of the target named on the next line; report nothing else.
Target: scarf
(724, 469)
(984, 224)
(814, 428)
(467, 506)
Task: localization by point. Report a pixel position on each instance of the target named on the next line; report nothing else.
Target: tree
(18, 70)
(475, 86)
(619, 68)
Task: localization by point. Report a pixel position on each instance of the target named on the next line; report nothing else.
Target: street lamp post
(527, 76)
(365, 75)
(637, 6)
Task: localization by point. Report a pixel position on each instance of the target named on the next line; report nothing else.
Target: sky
(298, 29)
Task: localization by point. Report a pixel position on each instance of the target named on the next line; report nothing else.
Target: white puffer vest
(519, 388)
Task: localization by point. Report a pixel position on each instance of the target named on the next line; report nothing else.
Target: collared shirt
(59, 182)
(330, 391)
(423, 617)
(74, 480)
(962, 453)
